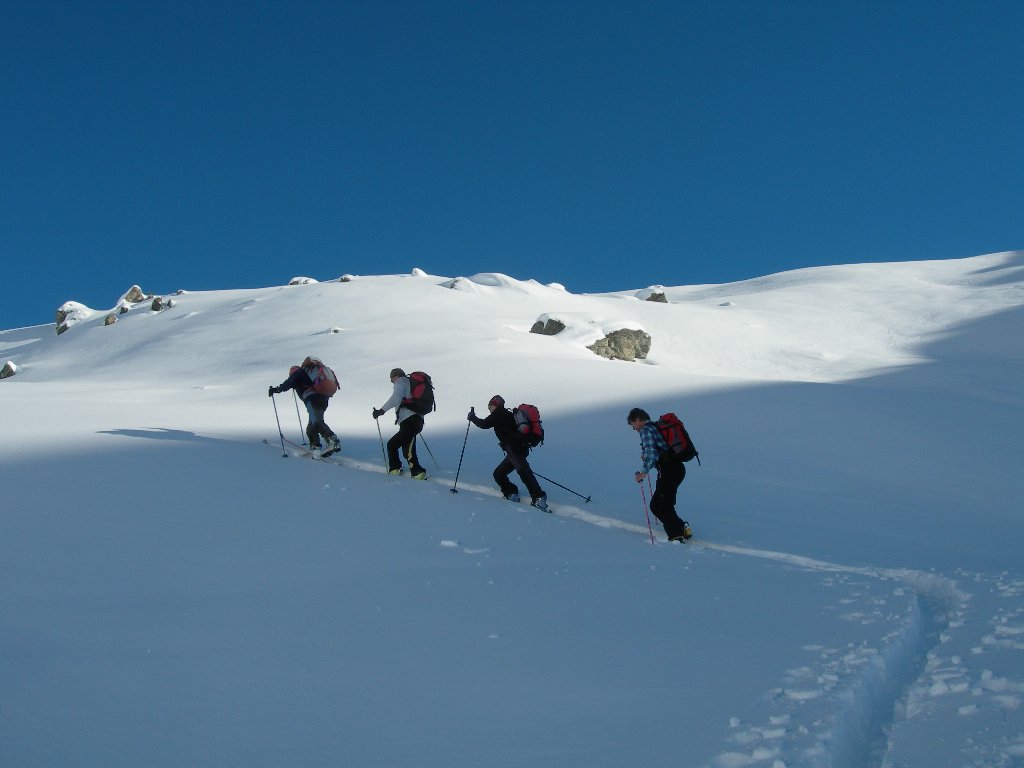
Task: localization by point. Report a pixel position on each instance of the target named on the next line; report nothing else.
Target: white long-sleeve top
(402, 390)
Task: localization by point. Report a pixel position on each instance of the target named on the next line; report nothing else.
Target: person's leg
(526, 475)
(317, 414)
(394, 446)
(313, 425)
(663, 502)
(325, 430)
(501, 473)
(409, 429)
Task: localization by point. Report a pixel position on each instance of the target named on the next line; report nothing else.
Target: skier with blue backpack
(315, 384)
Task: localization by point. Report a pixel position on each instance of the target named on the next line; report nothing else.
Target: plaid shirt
(652, 445)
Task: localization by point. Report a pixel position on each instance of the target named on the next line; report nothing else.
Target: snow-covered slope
(176, 594)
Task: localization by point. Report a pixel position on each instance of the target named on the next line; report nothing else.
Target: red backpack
(677, 438)
(323, 378)
(529, 424)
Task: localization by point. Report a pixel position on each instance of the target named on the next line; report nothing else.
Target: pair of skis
(305, 452)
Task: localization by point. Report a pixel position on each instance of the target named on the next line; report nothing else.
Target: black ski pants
(516, 460)
(671, 473)
(404, 440)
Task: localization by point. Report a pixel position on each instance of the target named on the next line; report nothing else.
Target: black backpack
(677, 438)
(421, 397)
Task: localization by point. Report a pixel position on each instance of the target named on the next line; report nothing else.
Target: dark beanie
(396, 372)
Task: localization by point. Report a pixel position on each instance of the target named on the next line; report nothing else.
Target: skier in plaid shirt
(671, 471)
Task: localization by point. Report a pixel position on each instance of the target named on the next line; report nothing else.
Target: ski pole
(586, 499)
(284, 453)
(302, 432)
(382, 451)
(647, 512)
(430, 452)
(457, 471)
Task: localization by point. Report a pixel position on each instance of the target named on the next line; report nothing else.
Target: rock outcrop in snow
(8, 370)
(72, 312)
(623, 344)
(548, 327)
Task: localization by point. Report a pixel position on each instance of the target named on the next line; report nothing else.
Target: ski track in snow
(856, 694)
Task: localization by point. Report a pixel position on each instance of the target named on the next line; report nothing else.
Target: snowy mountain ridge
(700, 329)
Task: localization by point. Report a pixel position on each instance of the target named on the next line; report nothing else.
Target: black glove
(377, 413)
(272, 391)
(471, 415)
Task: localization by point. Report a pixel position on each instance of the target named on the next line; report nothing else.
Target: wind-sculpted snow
(488, 282)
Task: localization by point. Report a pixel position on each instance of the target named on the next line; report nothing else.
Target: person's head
(637, 418)
(396, 373)
(495, 402)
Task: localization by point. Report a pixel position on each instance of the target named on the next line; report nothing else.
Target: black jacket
(299, 380)
(503, 423)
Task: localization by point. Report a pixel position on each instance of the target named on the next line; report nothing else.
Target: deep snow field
(174, 592)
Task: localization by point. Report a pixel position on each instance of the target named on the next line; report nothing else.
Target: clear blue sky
(603, 145)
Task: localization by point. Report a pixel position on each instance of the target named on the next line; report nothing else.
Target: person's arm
(485, 423)
(649, 448)
(293, 381)
(402, 390)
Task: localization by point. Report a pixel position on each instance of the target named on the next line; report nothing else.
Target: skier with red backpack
(664, 444)
(315, 384)
(412, 398)
(515, 436)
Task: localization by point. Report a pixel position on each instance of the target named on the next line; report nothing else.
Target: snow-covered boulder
(133, 295)
(653, 293)
(302, 281)
(8, 370)
(460, 284)
(69, 313)
(110, 319)
(130, 298)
